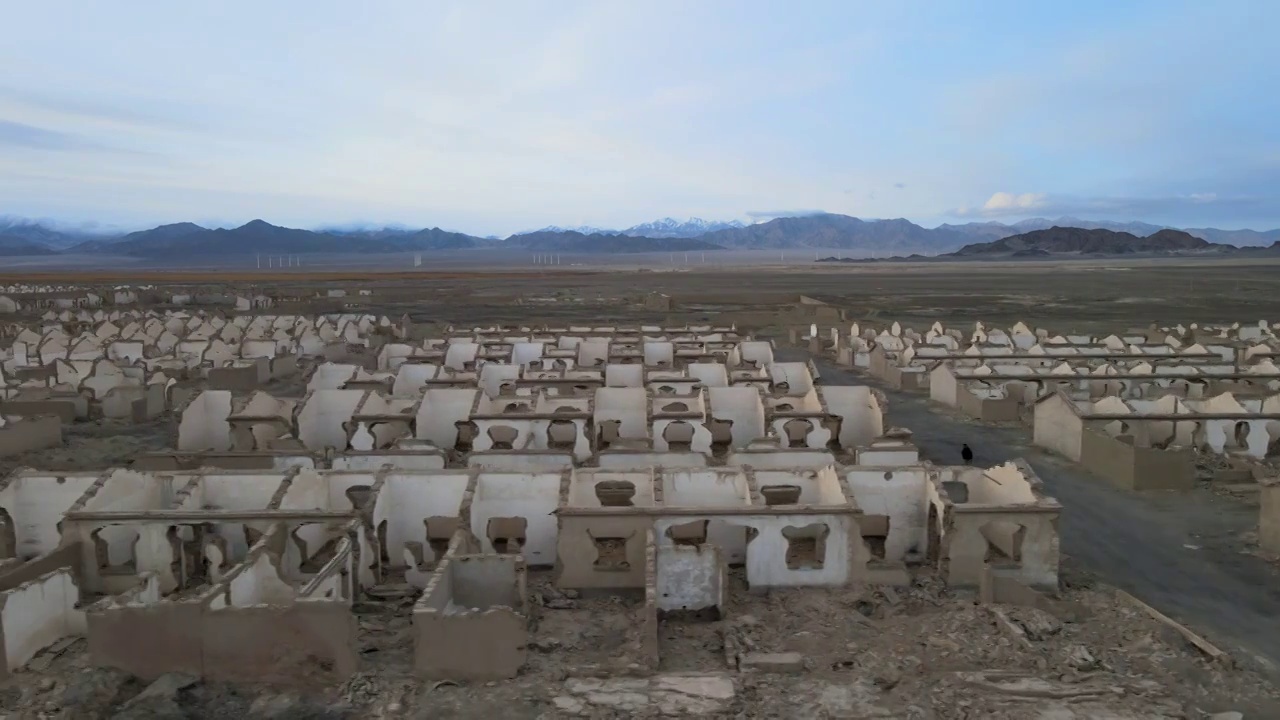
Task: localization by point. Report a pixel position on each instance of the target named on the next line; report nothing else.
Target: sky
(496, 117)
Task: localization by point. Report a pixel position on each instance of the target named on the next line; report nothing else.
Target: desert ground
(924, 652)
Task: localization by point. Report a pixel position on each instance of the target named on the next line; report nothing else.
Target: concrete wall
(36, 614)
(35, 504)
(690, 577)
(204, 423)
(20, 435)
(900, 495)
(471, 622)
(533, 497)
(1058, 427)
(1137, 468)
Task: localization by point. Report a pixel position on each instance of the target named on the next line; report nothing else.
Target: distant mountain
(580, 229)
(664, 228)
(867, 237)
(42, 234)
(256, 237)
(437, 239)
(996, 230)
(576, 242)
(13, 245)
(1240, 238)
(839, 231)
(672, 228)
(1078, 241)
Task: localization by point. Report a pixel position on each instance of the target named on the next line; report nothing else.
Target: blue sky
(494, 117)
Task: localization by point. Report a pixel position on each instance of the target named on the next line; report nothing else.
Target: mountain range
(1097, 241)
(664, 228)
(1069, 242)
(823, 231)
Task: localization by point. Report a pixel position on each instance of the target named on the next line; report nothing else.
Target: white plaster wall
(235, 492)
(711, 375)
(510, 461)
(766, 554)
(901, 495)
(412, 377)
(330, 376)
(690, 578)
(1057, 427)
(533, 496)
(459, 354)
(582, 486)
(36, 503)
(39, 613)
(888, 456)
(321, 419)
(493, 375)
(705, 488)
(757, 351)
(659, 353)
(628, 405)
(260, 584)
(862, 418)
(942, 385)
(817, 486)
(618, 375)
(741, 406)
(525, 352)
(782, 459)
(1001, 485)
(408, 499)
(795, 374)
(204, 422)
(440, 410)
(400, 461)
(630, 460)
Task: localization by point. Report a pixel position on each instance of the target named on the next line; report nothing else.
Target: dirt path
(1179, 552)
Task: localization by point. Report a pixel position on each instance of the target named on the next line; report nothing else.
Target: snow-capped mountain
(584, 229)
(672, 228)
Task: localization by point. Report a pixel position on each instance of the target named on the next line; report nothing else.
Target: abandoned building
(644, 461)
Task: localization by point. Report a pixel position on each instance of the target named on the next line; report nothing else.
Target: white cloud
(1203, 197)
(1003, 202)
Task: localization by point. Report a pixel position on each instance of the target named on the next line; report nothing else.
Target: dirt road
(1178, 552)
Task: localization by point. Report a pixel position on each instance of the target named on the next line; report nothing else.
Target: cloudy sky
(493, 117)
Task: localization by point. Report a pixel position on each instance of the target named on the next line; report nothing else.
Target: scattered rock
(158, 700)
(671, 695)
(887, 678)
(1037, 623)
(785, 662)
(93, 688)
(546, 645)
(1079, 658)
(1228, 715)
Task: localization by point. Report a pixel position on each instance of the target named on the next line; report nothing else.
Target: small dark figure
(967, 454)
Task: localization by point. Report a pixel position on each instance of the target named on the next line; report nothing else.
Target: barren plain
(919, 652)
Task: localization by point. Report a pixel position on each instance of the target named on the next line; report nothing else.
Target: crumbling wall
(526, 503)
(36, 614)
(471, 622)
(1058, 427)
(24, 434)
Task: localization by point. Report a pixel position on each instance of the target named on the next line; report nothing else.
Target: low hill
(839, 231)
(1079, 241)
(576, 242)
(13, 246)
